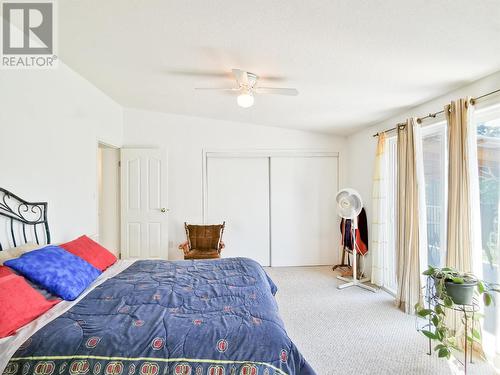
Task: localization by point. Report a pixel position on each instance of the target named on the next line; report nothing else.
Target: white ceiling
(354, 62)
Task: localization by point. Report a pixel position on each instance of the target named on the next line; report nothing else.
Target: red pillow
(91, 252)
(5, 271)
(19, 304)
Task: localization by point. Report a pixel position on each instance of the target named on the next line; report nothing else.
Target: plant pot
(461, 294)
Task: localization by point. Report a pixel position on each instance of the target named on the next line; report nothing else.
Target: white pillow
(16, 252)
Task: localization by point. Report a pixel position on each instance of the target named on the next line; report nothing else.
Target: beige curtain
(459, 239)
(464, 230)
(407, 242)
(379, 204)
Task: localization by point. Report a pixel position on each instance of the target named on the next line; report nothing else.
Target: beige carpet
(353, 331)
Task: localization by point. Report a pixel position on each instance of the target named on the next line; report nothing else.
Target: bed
(152, 317)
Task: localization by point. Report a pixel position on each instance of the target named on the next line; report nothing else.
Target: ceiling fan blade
(241, 76)
(273, 78)
(216, 88)
(277, 91)
(199, 73)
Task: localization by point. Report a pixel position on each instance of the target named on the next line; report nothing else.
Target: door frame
(257, 153)
(106, 144)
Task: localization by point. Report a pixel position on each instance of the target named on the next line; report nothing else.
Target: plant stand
(468, 313)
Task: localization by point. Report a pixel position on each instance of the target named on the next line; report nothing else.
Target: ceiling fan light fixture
(245, 100)
(247, 88)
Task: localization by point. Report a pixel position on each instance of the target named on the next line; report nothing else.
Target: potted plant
(452, 287)
(450, 283)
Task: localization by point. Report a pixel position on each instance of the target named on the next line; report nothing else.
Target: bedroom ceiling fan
(247, 88)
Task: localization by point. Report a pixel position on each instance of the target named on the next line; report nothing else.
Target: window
(390, 278)
(434, 152)
(488, 147)
(488, 155)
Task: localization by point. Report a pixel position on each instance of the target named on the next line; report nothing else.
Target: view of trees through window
(488, 147)
(489, 186)
(434, 155)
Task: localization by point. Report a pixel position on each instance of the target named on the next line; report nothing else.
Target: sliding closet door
(304, 223)
(238, 192)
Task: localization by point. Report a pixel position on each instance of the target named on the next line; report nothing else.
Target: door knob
(163, 209)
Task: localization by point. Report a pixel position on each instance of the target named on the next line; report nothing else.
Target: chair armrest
(184, 247)
(221, 246)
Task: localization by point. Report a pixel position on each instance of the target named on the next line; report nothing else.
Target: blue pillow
(56, 270)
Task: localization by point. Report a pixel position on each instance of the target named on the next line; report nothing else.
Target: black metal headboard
(25, 221)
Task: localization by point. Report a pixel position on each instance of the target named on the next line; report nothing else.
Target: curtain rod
(433, 115)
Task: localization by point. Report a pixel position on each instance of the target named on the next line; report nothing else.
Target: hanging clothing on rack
(361, 233)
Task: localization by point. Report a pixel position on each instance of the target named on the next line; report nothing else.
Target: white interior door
(144, 212)
(238, 193)
(304, 223)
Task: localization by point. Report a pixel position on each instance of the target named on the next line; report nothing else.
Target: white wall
(186, 137)
(361, 145)
(50, 122)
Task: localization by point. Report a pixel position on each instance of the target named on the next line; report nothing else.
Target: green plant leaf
(440, 334)
(476, 334)
(439, 310)
(487, 299)
(429, 334)
(448, 302)
(457, 280)
(480, 287)
(428, 272)
(444, 352)
(435, 320)
(424, 312)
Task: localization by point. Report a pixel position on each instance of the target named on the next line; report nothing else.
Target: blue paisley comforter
(162, 317)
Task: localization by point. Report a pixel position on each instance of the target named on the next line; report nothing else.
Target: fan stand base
(354, 282)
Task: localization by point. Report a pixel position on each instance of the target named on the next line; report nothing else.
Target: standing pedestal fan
(349, 205)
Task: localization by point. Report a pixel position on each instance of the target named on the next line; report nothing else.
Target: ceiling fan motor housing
(252, 81)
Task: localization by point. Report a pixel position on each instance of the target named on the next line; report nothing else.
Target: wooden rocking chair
(203, 241)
